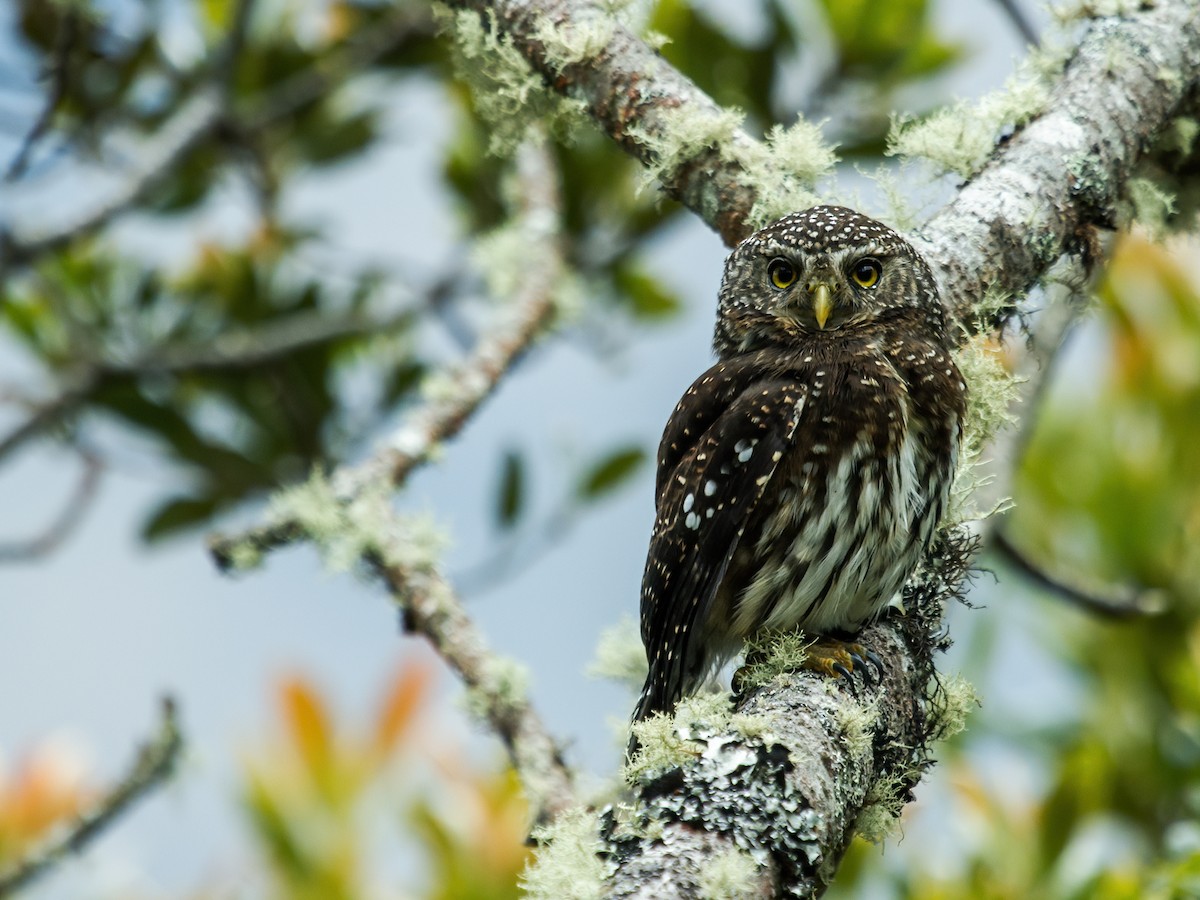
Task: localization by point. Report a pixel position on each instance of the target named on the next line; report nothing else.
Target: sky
(92, 636)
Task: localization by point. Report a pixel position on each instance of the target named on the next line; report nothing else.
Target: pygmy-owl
(802, 476)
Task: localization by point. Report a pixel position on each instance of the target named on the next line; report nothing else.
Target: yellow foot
(790, 651)
(832, 656)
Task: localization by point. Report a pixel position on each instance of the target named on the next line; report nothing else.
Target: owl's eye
(782, 273)
(866, 272)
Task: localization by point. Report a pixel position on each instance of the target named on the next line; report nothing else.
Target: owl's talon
(876, 664)
(835, 657)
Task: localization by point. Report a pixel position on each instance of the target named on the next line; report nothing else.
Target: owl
(801, 477)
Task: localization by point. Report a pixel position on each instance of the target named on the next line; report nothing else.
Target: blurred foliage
(43, 791)
(319, 797)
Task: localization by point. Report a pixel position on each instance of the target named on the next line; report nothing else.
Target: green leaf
(611, 472)
(647, 296)
(510, 498)
(178, 514)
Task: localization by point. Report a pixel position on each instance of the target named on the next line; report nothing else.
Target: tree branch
(154, 765)
(813, 761)
(67, 521)
(1047, 189)
(358, 496)
(432, 608)
(465, 388)
(633, 94)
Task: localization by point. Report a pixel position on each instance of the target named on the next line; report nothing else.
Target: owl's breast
(857, 500)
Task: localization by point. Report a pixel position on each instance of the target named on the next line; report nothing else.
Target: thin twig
(464, 389)
(432, 608)
(201, 118)
(59, 71)
(154, 765)
(430, 605)
(1114, 601)
(1020, 21)
(68, 520)
(230, 352)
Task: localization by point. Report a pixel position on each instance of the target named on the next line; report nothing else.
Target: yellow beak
(822, 303)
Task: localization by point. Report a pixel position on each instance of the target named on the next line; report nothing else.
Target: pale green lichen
(857, 721)
(665, 741)
(770, 654)
(683, 135)
(619, 655)
(503, 689)
(879, 817)
(959, 138)
(955, 699)
(991, 392)
(507, 93)
(1150, 205)
(784, 170)
(347, 532)
(728, 876)
(568, 864)
(568, 43)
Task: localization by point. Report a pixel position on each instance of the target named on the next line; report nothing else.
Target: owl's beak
(822, 302)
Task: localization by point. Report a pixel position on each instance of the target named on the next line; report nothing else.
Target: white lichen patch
(728, 876)
(568, 864)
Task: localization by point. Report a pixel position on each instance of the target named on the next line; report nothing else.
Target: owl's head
(817, 274)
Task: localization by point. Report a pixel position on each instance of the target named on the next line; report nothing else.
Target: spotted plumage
(802, 476)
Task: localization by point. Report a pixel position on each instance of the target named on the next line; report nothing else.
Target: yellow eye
(782, 273)
(866, 272)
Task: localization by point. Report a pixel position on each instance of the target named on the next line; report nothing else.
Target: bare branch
(202, 118)
(154, 765)
(68, 520)
(1113, 601)
(187, 129)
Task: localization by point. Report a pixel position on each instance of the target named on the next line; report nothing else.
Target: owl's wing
(718, 455)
